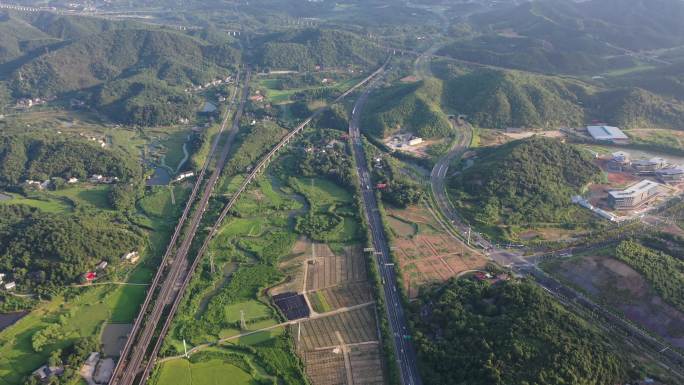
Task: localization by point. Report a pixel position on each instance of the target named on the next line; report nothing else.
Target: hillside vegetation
(304, 50)
(23, 158)
(42, 250)
(407, 107)
(556, 36)
(136, 75)
(523, 181)
(510, 333)
(501, 99)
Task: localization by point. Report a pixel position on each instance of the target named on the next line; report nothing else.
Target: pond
(8, 319)
(161, 177)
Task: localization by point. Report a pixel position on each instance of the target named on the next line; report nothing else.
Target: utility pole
(243, 324)
(211, 262)
(185, 348)
(468, 235)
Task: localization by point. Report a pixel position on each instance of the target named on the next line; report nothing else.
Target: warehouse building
(635, 195)
(648, 166)
(671, 174)
(607, 134)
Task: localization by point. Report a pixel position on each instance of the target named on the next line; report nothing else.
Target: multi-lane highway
(164, 287)
(404, 351)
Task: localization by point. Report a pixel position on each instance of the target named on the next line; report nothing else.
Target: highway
(135, 350)
(404, 351)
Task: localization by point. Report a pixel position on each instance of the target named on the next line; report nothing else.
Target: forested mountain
(24, 157)
(135, 74)
(173, 58)
(572, 37)
(523, 181)
(309, 48)
(510, 333)
(636, 107)
(407, 107)
(501, 99)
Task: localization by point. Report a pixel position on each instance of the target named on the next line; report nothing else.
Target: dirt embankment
(617, 284)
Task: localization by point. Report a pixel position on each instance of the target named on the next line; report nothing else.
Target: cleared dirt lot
(341, 349)
(325, 269)
(428, 254)
(623, 288)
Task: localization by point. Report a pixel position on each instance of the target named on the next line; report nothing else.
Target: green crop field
(158, 202)
(89, 195)
(48, 205)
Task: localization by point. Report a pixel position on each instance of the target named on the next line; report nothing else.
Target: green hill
(176, 59)
(407, 107)
(572, 37)
(523, 181)
(308, 48)
(635, 107)
(23, 157)
(500, 99)
(136, 76)
(508, 333)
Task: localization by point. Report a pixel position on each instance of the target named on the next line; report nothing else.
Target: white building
(415, 141)
(9, 286)
(131, 257)
(634, 195)
(607, 134)
(101, 266)
(671, 174)
(183, 176)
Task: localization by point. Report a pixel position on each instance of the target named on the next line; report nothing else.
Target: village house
(183, 176)
(131, 257)
(101, 266)
(10, 286)
(44, 373)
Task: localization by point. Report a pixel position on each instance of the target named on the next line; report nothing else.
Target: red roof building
(90, 276)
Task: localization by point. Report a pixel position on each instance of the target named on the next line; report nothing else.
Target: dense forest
(304, 50)
(509, 333)
(135, 74)
(502, 99)
(23, 157)
(410, 108)
(523, 181)
(43, 251)
(556, 36)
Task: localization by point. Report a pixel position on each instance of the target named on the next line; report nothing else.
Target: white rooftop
(635, 189)
(606, 133)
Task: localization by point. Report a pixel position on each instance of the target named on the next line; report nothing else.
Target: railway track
(134, 367)
(164, 283)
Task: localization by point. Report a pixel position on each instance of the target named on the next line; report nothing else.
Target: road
(145, 326)
(403, 348)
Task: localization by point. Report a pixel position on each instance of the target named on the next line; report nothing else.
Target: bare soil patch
(623, 288)
(430, 255)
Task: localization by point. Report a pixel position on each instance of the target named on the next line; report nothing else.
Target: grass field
(213, 372)
(47, 205)
(159, 203)
(173, 145)
(95, 196)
